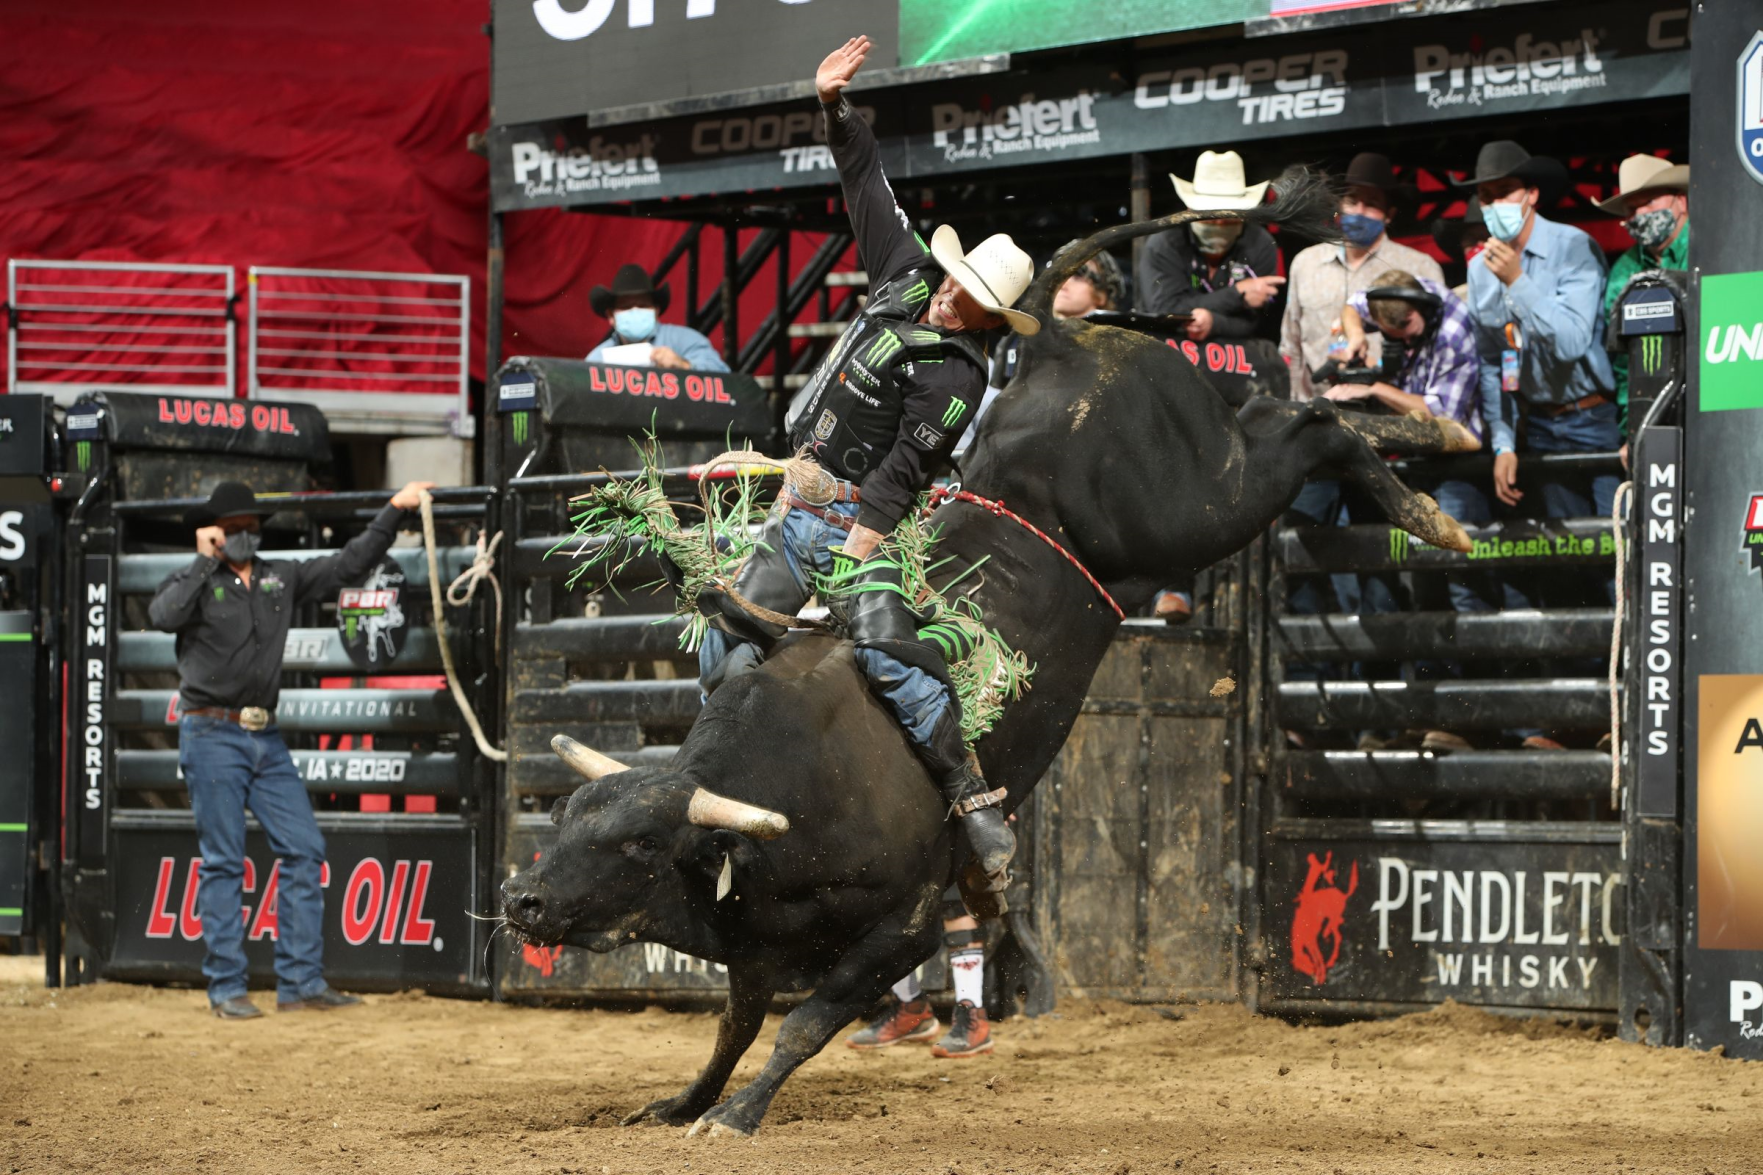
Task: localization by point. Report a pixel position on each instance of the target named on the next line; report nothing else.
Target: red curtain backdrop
(324, 134)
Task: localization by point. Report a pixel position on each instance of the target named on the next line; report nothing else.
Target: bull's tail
(1304, 200)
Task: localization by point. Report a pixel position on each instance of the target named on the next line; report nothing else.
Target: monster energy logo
(916, 293)
(520, 428)
(953, 412)
(82, 453)
(883, 349)
(1398, 546)
(1652, 353)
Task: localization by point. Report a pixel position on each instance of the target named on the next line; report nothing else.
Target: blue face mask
(636, 324)
(1504, 221)
(1360, 230)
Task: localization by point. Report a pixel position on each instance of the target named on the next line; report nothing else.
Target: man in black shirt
(1222, 272)
(881, 415)
(231, 612)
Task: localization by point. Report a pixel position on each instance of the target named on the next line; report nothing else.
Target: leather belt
(251, 717)
(788, 499)
(1550, 411)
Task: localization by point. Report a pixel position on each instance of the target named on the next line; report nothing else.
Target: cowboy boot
(981, 810)
(764, 579)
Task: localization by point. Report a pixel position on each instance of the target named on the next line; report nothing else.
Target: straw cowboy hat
(1218, 185)
(630, 279)
(1645, 173)
(995, 273)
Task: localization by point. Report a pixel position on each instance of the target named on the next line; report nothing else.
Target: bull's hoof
(1440, 529)
(667, 1111)
(711, 1129)
(729, 1120)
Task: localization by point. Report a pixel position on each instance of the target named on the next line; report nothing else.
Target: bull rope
(485, 555)
(1618, 505)
(955, 493)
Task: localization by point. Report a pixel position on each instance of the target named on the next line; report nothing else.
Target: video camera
(1335, 372)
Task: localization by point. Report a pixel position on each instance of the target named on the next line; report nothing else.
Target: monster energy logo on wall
(82, 455)
(953, 412)
(1652, 353)
(520, 427)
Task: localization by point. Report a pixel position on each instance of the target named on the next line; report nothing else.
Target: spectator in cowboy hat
(632, 305)
(1461, 240)
(1224, 273)
(1536, 293)
(1324, 276)
(1652, 197)
(231, 611)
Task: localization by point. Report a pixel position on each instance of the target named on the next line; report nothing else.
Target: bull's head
(634, 855)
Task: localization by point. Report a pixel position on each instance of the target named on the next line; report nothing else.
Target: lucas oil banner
(1399, 73)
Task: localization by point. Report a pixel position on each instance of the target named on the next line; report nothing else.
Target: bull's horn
(709, 810)
(591, 764)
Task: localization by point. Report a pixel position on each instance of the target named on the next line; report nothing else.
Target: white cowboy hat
(1645, 173)
(995, 273)
(1218, 184)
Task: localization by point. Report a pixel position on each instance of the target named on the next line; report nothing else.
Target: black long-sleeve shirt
(1172, 279)
(231, 637)
(892, 413)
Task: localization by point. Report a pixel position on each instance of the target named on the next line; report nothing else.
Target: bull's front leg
(866, 970)
(748, 997)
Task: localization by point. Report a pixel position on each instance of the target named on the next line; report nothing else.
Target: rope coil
(485, 747)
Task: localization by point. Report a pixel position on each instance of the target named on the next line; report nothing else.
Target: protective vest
(850, 417)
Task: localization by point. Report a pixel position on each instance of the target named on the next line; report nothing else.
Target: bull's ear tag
(725, 880)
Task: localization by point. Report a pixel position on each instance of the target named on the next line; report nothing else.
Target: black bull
(1110, 442)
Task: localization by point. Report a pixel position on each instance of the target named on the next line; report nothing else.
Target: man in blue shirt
(1537, 295)
(632, 305)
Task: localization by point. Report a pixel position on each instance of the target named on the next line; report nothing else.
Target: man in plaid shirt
(1439, 373)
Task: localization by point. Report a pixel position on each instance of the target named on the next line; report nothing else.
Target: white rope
(484, 746)
(483, 566)
(1618, 525)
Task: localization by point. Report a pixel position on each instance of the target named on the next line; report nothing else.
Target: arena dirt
(120, 1078)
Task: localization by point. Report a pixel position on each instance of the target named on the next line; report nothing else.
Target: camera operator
(1429, 351)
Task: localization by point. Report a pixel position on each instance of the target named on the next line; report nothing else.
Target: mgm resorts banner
(1538, 58)
(1530, 920)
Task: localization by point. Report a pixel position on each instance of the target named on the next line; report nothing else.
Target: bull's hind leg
(1315, 437)
(856, 982)
(748, 998)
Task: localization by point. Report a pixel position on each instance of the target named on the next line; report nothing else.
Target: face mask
(1504, 221)
(1216, 239)
(1652, 229)
(1360, 230)
(636, 324)
(241, 545)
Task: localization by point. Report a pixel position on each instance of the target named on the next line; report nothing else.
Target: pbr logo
(1749, 123)
(1317, 916)
(371, 619)
(1754, 531)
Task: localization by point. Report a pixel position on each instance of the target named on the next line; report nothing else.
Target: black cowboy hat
(229, 498)
(1504, 159)
(630, 279)
(1452, 235)
(1369, 169)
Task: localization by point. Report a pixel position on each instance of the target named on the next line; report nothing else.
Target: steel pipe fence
(378, 352)
(75, 327)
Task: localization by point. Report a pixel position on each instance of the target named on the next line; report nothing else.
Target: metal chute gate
(403, 799)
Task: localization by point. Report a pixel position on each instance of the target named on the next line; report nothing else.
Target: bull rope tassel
(1618, 511)
(802, 474)
(485, 747)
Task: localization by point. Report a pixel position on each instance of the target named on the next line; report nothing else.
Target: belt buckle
(253, 718)
(816, 487)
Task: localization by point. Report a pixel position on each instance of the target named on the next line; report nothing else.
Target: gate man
(231, 612)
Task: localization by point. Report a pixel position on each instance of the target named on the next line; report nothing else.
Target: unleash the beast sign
(1504, 924)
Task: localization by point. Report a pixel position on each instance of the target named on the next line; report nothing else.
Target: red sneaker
(969, 1035)
(897, 1024)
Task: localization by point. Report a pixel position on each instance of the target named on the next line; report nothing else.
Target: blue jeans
(228, 769)
(916, 699)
